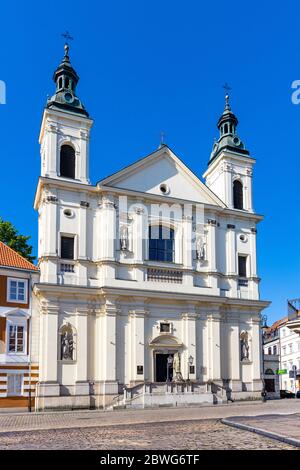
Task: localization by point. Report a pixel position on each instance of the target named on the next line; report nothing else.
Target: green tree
(11, 237)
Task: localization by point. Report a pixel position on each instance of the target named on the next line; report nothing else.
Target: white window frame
(14, 321)
(17, 279)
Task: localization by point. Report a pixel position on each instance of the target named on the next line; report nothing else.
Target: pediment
(14, 312)
(166, 341)
(162, 167)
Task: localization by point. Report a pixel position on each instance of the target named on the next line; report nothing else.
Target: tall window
(67, 161)
(67, 248)
(16, 343)
(161, 243)
(242, 266)
(237, 195)
(17, 290)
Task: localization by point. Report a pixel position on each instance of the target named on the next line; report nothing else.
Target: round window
(164, 189)
(243, 238)
(68, 212)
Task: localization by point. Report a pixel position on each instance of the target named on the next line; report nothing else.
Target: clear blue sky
(148, 66)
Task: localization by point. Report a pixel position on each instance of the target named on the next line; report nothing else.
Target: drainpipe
(30, 343)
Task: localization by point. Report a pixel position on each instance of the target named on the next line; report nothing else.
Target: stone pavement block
(192, 435)
(285, 427)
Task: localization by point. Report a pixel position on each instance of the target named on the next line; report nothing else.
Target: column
(202, 348)
(231, 252)
(214, 345)
(105, 348)
(50, 166)
(187, 247)
(189, 339)
(82, 356)
(234, 355)
(228, 198)
(256, 353)
(50, 235)
(107, 235)
(140, 230)
(49, 385)
(248, 189)
(254, 281)
(82, 241)
(83, 156)
(137, 344)
(212, 258)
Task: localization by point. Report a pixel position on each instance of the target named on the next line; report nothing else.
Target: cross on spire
(67, 36)
(226, 87)
(162, 138)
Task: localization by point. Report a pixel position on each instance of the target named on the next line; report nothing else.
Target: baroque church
(148, 292)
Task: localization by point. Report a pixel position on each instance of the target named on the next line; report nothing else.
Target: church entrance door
(161, 365)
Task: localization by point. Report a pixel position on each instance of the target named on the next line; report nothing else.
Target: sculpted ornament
(124, 238)
(67, 346)
(244, 340)
(200, 248)
(177, 376)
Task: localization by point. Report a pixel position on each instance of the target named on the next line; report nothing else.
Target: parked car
(298, 394)
(287, 394)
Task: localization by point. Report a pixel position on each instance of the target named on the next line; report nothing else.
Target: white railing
(66, 268)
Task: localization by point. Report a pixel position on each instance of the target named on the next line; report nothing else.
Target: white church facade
(148, 290)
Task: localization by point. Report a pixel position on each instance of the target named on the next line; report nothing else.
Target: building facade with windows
(290, 347)
(18, 366)
(283, 339)
(147, 277)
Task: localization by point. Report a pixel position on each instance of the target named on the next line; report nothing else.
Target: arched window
(237, 195)
(269, 372)
(67, 161)
(226, 128)
(161, 243)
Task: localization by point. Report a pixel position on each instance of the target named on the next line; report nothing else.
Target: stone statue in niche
(67, 346)
(200, 248)
(124, 238)
(177, 376)
(244, 346)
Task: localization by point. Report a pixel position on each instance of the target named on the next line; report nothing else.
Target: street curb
(262, 432)
(87, 410)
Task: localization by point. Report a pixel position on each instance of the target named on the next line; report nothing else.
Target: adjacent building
(283, 339)
(147, 277)
(19, 366)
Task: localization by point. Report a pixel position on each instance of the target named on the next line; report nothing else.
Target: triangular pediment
(163, 167)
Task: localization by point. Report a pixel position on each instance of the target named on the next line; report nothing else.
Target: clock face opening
(68, 97)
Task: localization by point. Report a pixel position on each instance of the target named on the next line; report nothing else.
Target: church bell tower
(65, 130)
(230, 168)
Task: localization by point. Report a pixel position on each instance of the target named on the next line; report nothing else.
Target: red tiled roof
(278, 323)
(9, 257)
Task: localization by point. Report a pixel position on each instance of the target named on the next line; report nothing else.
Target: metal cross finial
(226, 87)
(162, 138)
(67, 36)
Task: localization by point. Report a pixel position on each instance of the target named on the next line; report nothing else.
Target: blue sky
(147, 66)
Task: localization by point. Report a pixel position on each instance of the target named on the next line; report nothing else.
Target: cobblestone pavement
(284, 425)
(201, 435)
(84, 419)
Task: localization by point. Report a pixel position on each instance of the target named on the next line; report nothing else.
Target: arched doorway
(164, 347)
